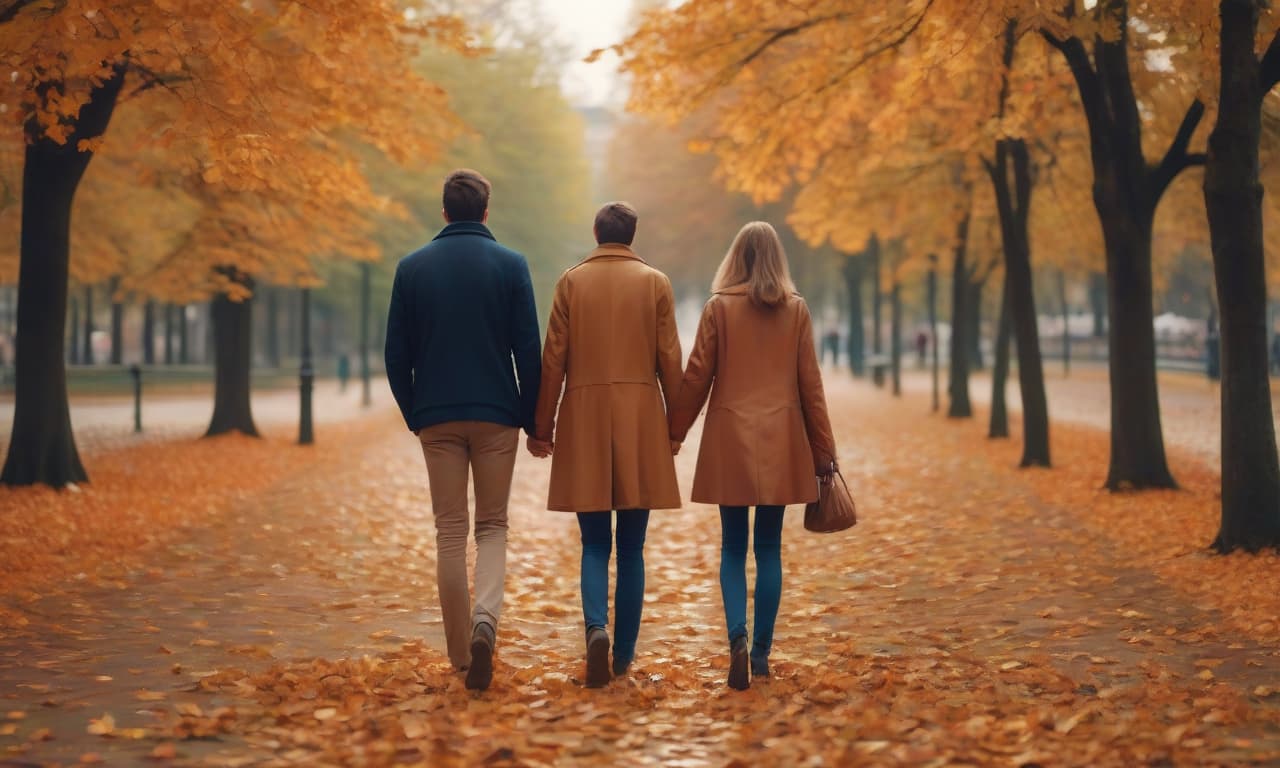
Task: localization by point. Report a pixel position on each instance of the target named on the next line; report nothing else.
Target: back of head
(757, 260)
(616, 223)
(466, 196)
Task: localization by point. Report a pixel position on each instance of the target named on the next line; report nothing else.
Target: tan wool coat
(611, 343)
(767, 432)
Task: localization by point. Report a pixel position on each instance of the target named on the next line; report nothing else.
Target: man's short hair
(466, 195)
(616, 223)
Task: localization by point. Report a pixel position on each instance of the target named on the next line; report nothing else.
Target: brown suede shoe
(480, 673)
(597, 658)
(739, 677)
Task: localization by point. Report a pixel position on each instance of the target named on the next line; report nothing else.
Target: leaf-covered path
(978, 614)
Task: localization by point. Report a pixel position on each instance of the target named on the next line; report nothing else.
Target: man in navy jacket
(462, 310)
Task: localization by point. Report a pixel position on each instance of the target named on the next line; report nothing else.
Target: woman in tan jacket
(767, 439)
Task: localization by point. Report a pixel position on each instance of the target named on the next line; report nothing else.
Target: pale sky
(585, 25)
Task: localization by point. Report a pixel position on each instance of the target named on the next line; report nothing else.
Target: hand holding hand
(540, 448)
(675, 448)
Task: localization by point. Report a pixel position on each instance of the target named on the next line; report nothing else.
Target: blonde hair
(757, 260)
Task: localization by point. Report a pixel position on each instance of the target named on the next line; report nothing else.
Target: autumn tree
(1233, 198)
(1127, 187)
(238, 92)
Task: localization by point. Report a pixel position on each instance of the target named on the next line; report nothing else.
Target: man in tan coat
(612, 365)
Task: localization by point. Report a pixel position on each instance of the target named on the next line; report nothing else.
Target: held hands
(675, 448)
(540, 448)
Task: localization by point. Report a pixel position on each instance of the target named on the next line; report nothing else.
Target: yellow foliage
(247, 113)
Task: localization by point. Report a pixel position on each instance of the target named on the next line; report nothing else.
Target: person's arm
(554, 354)
(669, 356)
(813, 400)
(398, 352)
(525, 347)
(698, 376)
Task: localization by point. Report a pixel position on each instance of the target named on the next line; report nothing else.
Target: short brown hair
(466, 195)
(616, 223)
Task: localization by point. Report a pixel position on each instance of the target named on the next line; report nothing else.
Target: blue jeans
(733, 573)
(628, 595)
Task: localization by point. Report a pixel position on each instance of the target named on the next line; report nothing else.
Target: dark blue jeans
(733, 573)
(628, 595)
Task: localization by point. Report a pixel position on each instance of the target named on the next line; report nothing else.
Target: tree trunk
(999, 426)
(1013, 201)
(273, 328)
(117, 324)
(73, 350)
(1098, 303)
(933, 327)
(41, 447)
(184, 340)
(168, 334)
(1066, 323)
(149, 333)
(1126, 190)
(210, 351)
(895, 343)
(960, 407)
(974, 333)
(86, 355)
(1233, 198)
(854, 268)
(877, 372)
(1137, 439)
(233, 353)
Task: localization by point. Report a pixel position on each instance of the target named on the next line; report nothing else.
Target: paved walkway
(106, 423)
(1190, 405)
(969, 619)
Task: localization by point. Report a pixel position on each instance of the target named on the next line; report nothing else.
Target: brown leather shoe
(480, 673)
(739, 677)
(597, 658)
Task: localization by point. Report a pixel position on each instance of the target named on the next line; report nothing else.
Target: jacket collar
(733, 290)
(614, 250)
(465, 228)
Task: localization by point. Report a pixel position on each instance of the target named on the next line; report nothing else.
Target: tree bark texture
(958, 389)
(232, 360)
(1233, 197)
(117, 323)
(999, 424)
(1126, 190)
(149, 333)
(895, 343)
(1011, 176)
(86, 354)
(42, 447)
(877, 296)
(854, 270)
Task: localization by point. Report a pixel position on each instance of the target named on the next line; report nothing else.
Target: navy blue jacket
(461, 309)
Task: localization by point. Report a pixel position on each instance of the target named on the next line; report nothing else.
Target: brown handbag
(834, 510)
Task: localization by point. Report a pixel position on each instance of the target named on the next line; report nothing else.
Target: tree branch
(1177, 158)
(1086, 77)
(781, 33)
(726, 74)
(1269, 69)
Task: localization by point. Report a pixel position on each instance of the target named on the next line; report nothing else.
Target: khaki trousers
(489, 451)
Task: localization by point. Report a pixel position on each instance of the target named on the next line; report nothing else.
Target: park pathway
(975, 616)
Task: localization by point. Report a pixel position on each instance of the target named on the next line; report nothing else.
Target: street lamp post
(135, 371)
(306, 375)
